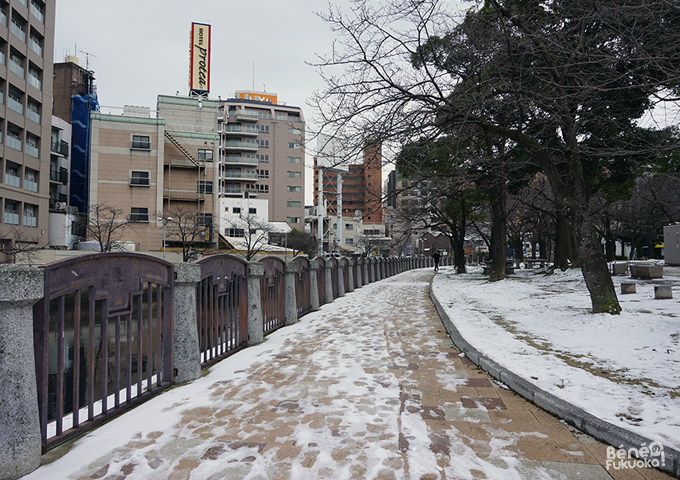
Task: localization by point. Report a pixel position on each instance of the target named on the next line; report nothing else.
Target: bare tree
(106, 225)
(566, 82)
(18, 247)
(254, 231)
(189, 230)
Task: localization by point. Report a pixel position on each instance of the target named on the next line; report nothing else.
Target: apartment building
(261, 157)
(26, 46)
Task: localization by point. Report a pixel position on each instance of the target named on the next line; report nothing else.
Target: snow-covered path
(370, 387)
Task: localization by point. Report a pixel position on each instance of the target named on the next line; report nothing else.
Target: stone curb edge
(597, 428)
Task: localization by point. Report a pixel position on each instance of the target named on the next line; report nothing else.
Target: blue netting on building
(81, 106)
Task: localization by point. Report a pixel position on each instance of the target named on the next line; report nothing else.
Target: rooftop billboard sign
(199, 58)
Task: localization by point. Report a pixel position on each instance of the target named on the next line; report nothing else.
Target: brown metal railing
(222, 307)
(103, 339)
(321, 279)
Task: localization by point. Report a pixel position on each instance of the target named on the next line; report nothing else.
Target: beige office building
(262, 154)
(26, 49)
(151, 168)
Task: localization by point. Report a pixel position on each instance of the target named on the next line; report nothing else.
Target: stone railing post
(341, 280)
(187, 353)
(371, 270)
(351, 267)
(20, 443)
(255, 322)
(367, 276)
(383, 269)
(329, 283)
(314, 285)
(360, 272)
(291, 299)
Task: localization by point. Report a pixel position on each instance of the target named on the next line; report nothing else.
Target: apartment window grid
(257, 188)
(11, 212)
(294, 159)
(30, 180)
(35, 43)
(294, 189)
(294, 174)
(32, 147)
(16, 64)
(262, 173)
(3, 17)
(262, 158)
(30, 212)
(204, 219)
(293, 219)
(14, 138)
(294, 131)
(140, 142)
(262, 143)
(34, 77)
(264, 129)
(37, 10)
(139, 215)
(139, 179)
(23, 2)
(2, 56)
(33, 111)
(294, 145)
(12, 175)
(234, 232)
(205, 155)
(14, 101)
(18, 27)
(293, 204)
(204, 187)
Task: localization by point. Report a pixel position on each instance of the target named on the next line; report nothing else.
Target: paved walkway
(369, 387)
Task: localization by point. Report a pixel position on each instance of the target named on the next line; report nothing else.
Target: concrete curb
(601, 430)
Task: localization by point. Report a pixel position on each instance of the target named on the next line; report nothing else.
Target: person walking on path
(436, 256)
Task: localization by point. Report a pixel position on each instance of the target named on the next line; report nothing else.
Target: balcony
(183, 163)
(60, 147)
(236, 160)
(235, 145)
(182, 195)
(235, 129)
(241, 176)
(59, 175)
(231, 191)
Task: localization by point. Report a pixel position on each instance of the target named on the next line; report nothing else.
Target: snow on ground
(621, 368)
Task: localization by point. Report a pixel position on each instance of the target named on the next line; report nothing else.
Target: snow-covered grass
(622, 368)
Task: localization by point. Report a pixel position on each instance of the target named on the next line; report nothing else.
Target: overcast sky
(140, 49)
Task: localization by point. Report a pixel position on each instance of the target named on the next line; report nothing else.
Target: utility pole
(339, 210)
(319, 214)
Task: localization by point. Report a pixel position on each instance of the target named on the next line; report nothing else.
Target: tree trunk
(497, 195)
(459, 246)
(563, 244)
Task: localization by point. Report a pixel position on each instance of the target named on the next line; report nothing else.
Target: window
(262, 173)
(14, 100)
(32, 148)
(139, 215)
(3, 16)
(205, 155)
(294, 174)
(262, 128)
(262, 158)
(34, 77)
(236, 209)
(258, 188)
(35, 43)
(33, 111)
(37, 11)
(16, 64)
(13, 137)
(12, 175)
(18, 27)
(262, 143)
(294, 159)
(204, 187)
(294, 189)
(349, 241)
(204, 219)
(11, 212)
(295, 145)
(30, 179)
(234, 232)
(30, 212)
(141, 142)
(252, 211)
(2, 55)
(349, 226)
(294, 204)
(139, 179)
(293, 219)
(294, 131)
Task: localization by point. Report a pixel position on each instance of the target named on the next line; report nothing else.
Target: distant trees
(301, 242)
(188, 229)
(20, 247)
(106, 225)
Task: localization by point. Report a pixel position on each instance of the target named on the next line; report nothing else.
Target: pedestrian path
(370, 387)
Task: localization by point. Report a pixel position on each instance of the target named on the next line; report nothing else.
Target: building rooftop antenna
(87, 58)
